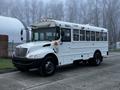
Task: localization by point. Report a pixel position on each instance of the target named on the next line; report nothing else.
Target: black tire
(96, 60)
(47, 67)
(76, 63)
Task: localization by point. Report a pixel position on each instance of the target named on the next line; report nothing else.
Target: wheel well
(97, 51)
(54, 56)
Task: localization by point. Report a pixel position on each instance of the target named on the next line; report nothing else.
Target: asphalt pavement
(70, 77)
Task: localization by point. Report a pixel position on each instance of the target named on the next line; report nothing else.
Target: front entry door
(64, 47)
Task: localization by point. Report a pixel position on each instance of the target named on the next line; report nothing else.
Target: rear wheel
(48, 67)
(96, 60)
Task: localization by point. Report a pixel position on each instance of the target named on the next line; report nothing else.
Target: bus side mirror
(21, 33)
(21, 38)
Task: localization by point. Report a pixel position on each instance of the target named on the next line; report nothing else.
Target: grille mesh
(20, 52)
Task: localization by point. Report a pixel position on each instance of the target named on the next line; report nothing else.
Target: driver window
(66, 37)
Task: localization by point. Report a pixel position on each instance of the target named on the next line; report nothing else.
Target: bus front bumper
(26, 63)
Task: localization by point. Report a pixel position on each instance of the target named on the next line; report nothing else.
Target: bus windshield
(46, 34)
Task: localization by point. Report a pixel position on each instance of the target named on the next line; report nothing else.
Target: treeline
(103, 13)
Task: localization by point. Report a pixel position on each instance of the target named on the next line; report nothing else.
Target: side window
(92, 36)
(101, 36)
(66, 37)
(76, 35)
(105, 36)
(87, 35)
(97, 36)
(82, 35)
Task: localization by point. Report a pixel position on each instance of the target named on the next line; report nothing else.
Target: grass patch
(115, 50)
(6, 64)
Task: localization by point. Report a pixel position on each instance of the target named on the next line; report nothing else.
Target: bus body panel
(68, 52)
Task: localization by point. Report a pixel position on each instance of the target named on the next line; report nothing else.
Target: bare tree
(105, 13)
(55, 10)
(112, 20)
(4, 9)
(71, 7)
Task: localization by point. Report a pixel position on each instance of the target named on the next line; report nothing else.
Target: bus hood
(33, 44)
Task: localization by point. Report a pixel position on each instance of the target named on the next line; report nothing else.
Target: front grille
(20, 52)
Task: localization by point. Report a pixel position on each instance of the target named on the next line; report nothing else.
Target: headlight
(33, 56)
(36, 56)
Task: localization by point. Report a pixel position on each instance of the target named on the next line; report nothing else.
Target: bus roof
(69, 25)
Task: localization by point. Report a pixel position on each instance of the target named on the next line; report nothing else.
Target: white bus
(56, 43)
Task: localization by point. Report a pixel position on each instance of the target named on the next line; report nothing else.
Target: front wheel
(48, 67)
